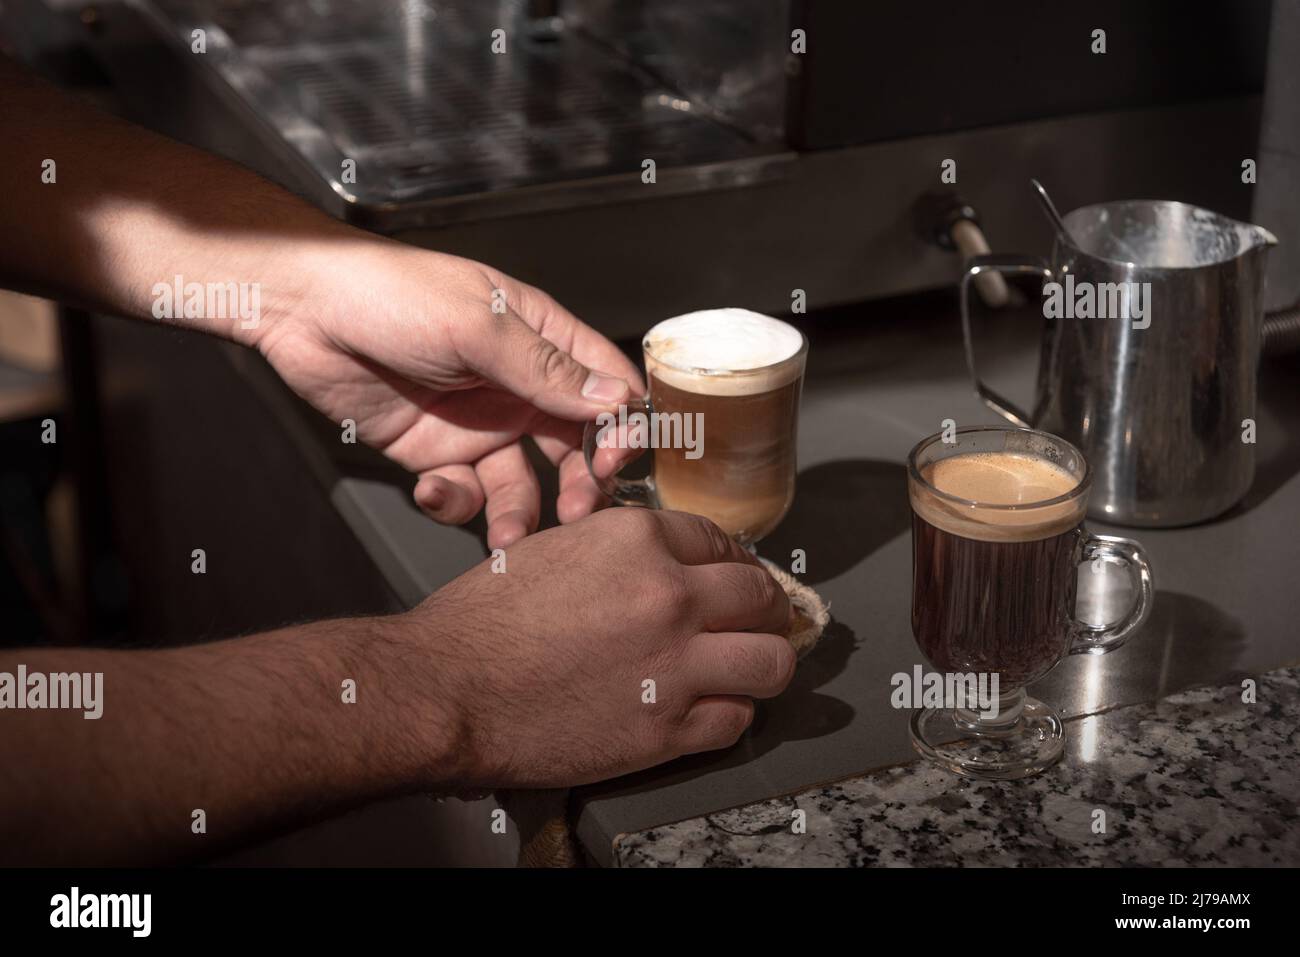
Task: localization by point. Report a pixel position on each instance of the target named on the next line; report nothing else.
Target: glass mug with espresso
(997, 545)
(721, 417)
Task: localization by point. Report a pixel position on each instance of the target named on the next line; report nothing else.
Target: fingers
(561, 443)
(457, 428)
(735, 597)
(739, 663)
(579, 496)
(451, 494)
(513, 495)
(693, 540)
(512, 355)
(716, 721)
(614, 451)
(566, 330)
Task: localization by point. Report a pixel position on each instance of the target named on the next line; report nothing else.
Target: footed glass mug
(997, 542)
(722, 418)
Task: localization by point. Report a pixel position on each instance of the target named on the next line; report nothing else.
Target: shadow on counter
(843, 511)
(1186, 642)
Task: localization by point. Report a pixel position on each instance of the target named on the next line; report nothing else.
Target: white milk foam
(723, 352)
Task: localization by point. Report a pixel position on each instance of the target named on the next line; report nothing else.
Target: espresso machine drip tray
(457, 109)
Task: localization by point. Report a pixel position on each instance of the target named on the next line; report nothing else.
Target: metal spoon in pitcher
(1049, 208)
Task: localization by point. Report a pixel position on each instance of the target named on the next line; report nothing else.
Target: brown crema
(998, 497)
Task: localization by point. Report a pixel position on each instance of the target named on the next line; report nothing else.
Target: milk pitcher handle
(1009, 266)
(609, 433)
(1129, 555)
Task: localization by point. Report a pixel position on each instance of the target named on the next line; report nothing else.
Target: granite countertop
(1200, 778)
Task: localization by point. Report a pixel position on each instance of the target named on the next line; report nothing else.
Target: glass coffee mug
(721, 417)
(997, 543)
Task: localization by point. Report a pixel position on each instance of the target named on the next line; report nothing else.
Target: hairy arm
(97, 211)
(254, 731)
(443, 363)
(527, 679)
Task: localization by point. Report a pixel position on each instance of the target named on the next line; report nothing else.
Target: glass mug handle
(1099, 639)
(621, 490)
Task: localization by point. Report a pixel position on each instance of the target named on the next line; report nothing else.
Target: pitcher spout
(1256, 237)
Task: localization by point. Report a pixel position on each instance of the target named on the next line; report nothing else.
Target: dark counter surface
(881, 376)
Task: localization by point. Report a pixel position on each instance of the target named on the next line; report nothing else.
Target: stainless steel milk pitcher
(1151, 339)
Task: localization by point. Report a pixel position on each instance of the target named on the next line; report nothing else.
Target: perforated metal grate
(412, 91)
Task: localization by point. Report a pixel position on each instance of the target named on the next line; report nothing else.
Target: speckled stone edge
(1200, 778)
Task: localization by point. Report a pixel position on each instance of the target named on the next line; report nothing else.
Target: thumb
(537, 370)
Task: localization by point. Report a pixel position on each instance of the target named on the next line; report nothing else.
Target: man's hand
(540, 676)
(548, 666)
(537, 677)
(444, 364)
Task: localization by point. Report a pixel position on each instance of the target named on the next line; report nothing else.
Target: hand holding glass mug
(722, 418)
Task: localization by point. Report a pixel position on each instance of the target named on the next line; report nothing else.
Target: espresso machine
(749, 149)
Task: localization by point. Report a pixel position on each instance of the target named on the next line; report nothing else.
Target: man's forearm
(259, 733)
(99, 211)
